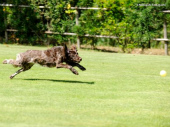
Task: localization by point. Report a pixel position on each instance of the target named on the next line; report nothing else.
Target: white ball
(163, 73)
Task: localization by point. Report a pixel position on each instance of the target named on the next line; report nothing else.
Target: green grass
(116, 90)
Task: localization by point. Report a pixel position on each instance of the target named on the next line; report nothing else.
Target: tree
(134, 25)
(146, 22)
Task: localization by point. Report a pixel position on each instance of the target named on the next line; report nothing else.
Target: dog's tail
(11, 61)
(6, 61)
(15, 63)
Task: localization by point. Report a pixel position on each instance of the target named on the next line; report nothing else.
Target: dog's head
(73, 56)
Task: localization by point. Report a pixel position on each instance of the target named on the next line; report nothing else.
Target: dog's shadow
(64, 81)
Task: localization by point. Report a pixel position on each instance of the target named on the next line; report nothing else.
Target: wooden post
(6, 36)
(165, 37)
(77, 23)
(5, 23)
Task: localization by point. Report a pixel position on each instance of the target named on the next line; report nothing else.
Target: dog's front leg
(60, 65)
(78, 65)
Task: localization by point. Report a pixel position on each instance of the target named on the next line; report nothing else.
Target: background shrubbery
(135, 25)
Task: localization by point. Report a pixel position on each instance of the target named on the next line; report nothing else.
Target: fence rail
(22, 6)
(86, 35)
(161, 39)
(166, 11)
(165, 39)
(74, 8)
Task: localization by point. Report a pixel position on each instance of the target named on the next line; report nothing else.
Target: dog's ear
(74, 48)
(65, 48)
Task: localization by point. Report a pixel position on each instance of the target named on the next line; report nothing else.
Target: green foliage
(134, 22)
(145, 23)
(2, 21)
(81, 3)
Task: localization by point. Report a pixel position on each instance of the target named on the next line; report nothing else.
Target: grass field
(116, 90)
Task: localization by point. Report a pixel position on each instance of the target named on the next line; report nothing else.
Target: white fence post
(165, 37)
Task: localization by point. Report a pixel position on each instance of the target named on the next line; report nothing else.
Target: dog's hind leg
(25, 68)
(16, 73)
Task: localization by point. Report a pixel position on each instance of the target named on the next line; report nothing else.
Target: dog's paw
(11, 77)
(83, 69)
(74, 71)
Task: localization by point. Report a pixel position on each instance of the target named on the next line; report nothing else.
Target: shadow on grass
(66, 81)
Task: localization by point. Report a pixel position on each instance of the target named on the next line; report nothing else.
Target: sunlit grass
(116, 90)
